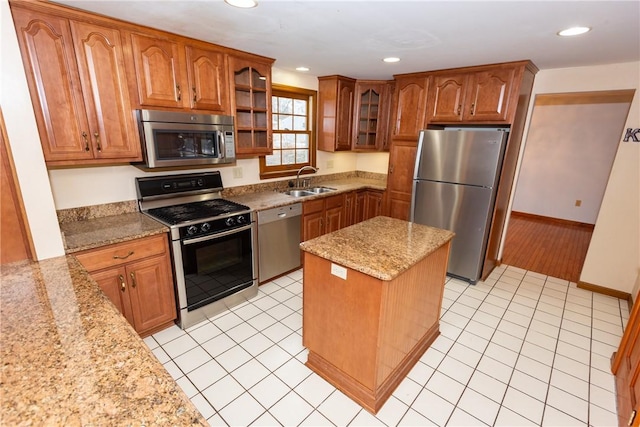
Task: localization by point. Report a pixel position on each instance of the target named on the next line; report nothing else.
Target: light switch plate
(339, 271)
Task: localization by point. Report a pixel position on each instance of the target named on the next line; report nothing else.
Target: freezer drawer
(465, 210)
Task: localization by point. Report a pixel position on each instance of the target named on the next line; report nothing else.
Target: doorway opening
(570, 148)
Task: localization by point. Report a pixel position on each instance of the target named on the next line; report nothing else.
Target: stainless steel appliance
(172, 139)
(279, 240)
(213, 242)
(454, 187)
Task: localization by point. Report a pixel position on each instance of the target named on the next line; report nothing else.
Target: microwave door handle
(221, 148)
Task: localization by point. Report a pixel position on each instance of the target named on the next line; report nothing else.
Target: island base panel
(371, 400)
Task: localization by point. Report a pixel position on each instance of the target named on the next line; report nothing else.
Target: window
(293, 122)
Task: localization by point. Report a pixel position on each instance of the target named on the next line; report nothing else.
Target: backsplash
(109, 209)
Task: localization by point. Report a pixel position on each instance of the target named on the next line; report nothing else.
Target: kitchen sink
(299, 193)
(320, 190)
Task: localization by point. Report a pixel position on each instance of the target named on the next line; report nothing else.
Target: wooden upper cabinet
(447, 97)
(489, 95)
(371, 115)
(476, 96)
(102, 74)
(207, 74)
(409, 107)
(335, 112)
(160, 77)
(176, 75)
(80, 102)
(251, 103)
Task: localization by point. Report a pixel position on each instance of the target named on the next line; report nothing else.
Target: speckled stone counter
(381, 247)
(70, 358)
(96, 232)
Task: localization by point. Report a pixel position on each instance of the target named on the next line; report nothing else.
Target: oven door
(216, 266)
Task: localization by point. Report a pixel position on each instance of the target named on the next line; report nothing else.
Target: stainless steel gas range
(213, 242)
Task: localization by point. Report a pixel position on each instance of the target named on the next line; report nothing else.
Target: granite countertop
(97, 232)
(381, 247)
(262, 200)
(70, 358)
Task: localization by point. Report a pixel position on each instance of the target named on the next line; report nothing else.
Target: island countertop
(70, 358)
(381, 247)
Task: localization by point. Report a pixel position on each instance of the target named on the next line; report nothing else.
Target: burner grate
(177, 214)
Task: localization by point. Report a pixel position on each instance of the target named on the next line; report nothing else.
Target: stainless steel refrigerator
(454, 187)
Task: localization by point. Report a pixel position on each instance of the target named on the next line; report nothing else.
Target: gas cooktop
(196, 211)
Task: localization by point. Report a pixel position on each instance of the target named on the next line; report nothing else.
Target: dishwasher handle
(279, 214)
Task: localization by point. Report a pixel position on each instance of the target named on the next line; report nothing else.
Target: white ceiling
(350, 37)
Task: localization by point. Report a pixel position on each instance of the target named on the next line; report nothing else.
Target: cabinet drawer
(122, 253)
(313, 206)
(334, 201)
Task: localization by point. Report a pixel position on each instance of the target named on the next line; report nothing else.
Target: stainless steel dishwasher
(278, 241)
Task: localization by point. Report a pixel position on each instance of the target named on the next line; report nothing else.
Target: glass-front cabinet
(251, 103)
(371, 114)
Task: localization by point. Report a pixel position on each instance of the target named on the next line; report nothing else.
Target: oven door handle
(215, 236)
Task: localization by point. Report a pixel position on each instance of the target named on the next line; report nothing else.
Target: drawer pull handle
(123, 257)
(86, 142)
(97, 136)
(122, 284)
(133, 280)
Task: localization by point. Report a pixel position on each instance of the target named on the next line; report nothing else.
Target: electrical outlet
(237, 173)
(329, 164)
(578, 203)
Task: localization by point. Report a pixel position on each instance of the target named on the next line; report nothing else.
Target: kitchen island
(70, 358)
(371, 303)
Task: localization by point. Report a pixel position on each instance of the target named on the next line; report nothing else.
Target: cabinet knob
(123, 286)
(97, 136)
(86, 141)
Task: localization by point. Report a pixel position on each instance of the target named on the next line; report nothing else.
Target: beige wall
(613, 258)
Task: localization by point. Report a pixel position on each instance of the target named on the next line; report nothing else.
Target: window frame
(310, 96)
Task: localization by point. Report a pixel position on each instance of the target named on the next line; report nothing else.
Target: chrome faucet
(300, 170)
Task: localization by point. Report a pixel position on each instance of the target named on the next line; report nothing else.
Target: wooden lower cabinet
(402, 159)
(137, 277)
(322, 216)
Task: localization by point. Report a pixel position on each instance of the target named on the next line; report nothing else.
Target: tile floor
(520, 348)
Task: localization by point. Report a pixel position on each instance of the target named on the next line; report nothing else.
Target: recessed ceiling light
(245, 4)
(391, 59)
(302, 68)
(574, 31)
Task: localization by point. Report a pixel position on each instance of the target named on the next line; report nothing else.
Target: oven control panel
(215, 225)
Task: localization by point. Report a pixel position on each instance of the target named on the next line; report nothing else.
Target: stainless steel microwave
(173, 139)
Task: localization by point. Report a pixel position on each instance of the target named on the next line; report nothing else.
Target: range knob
(241, 219)
(205, 227)
(191, 230)
(230, 221)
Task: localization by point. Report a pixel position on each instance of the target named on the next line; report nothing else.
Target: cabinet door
(49, 60)
(334, 219)
(344, 114)
(402, 158)
(113, 133)
(159, 74)
(361, 206)
(446, 98)
(312, 225)
(350, 209)
(488, 95)
(151, 292)
(368, 123)
(251, 102)
(207, 75)
(409, 107)
(114, 284)
(373, 204)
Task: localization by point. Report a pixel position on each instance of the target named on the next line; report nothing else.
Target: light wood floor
(546, 245)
